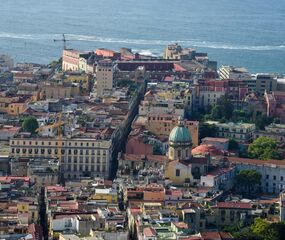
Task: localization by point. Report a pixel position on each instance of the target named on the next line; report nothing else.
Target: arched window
(179, 154)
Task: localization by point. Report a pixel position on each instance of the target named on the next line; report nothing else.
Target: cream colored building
(176, 52)
(241, 132)
(58, 91)
(104, 77)
(80, 157)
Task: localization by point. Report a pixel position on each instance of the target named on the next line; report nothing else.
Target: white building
(241, 132)
(273, 131)
(65, 224)
(219, 179)
(272, 171)
(230, 72)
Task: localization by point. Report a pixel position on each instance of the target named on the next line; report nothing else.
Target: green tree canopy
(247, 179)
(222, 110)
(263, 148)
(30, 124)
(207, 130)
(268, 231)
(262, 230)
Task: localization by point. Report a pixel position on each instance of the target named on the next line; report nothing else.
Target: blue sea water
(248, 33)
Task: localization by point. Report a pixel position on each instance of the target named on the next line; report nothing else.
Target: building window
(179, 154)
(177, 173)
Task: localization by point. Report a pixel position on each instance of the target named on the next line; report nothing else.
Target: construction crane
(64, 40)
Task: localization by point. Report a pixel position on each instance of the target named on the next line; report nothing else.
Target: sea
(245, 33)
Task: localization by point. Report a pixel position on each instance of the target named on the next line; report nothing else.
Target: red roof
(149, 232)
(239, 205)
(55, 189)
(174, 192)
(178, 68)
(207, 148)
(256, 161)
(9, 179)
(216, 236)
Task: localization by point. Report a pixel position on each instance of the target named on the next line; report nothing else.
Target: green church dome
(180, 134)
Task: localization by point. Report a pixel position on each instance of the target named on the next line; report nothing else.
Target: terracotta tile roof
(149, 232)
(9, 179)
(55, 189)
(174, 192)
(180, 225)
(239, 205)
(207, 148)
(216, 236)
(237, 160)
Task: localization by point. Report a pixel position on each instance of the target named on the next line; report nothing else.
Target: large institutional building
(80, 157)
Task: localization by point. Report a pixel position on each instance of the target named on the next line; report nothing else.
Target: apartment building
(58, 91)
(79, 157)
(71, 59)
(241, 132)
(232, 213)
(272, 172)
(262, 82)
(176, 52)
(273, 131)
(104, 77)
(275, 105)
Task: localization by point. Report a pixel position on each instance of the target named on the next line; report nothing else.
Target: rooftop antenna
(64, 40)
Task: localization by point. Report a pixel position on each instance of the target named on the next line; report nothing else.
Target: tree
(207, 130)
(262, 230)
(226, 107)
(246, 180)
(30, 124)
(222, 110)
(268, 231)
(264, 148)
(246, 234)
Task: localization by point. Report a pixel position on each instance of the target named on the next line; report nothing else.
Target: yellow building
(162, 124)
(17, 108)
(31, 209)
(5, 101)
(106, 195)
(183, 168)
(83, 80)
(59, 91)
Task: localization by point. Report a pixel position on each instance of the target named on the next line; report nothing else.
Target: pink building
(137, 145)
(275, 105)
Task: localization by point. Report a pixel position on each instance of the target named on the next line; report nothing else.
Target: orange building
(144, 194)
(106, 53)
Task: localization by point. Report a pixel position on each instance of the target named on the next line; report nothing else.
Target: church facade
(182, 167)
